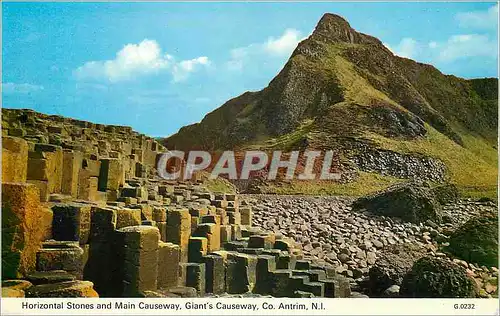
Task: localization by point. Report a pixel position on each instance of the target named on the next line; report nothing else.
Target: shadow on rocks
(432, 277)
(412, 202)
(390, 268)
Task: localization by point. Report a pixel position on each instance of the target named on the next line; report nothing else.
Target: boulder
(412, 202)
(446, 193)
(392, 291)
(476, 241)
(433, 277)
(391, 266)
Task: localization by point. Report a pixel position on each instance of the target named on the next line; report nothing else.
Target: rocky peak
(334, 28)
(330, 22)
(346, 84)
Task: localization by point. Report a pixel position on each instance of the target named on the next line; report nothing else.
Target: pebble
(328, 229)
(343, 257)
(391, 291)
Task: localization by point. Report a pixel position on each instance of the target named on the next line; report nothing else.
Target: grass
(473, 168)
(366, 183)
(355, 88)
(287, 141)
(219, 185)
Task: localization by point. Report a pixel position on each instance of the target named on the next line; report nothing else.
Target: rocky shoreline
(331, 232)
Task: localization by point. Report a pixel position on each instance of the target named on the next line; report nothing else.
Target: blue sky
(160, 66)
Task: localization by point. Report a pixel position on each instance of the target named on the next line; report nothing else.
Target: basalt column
(21, 229)
(179, 230)
(101, 265)
(137, 259)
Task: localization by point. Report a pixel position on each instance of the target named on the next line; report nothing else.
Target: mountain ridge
(341, 87)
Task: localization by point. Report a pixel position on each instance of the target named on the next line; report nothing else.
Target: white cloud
(136, 60)
(479, 19)
(408, 48)
(239, 55)
(459, 46)
(279, 47)
(285, 44)
(20, 88)
(469, 45)
(455, 48)
(182, 69)
(131, 60)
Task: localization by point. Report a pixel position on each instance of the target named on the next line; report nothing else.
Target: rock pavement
(332, 233)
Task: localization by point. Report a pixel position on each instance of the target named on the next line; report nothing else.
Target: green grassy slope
(340, 86)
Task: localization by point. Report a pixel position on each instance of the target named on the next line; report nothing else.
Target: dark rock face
(295, 95)
(391, 267)
(397, 123)
(446, 193)
(398, 165)
(411, 202)
(477, 240)
(434, 277)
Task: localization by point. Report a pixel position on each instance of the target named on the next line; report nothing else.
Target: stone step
(240, 272)
(329, 270)
(234, 245)
(280, 283)
(48, 277)
(316, 288)
(251, 231)
(297, 282)
(61, 256)
(314, 275)
(63, 289)
(302, 294)
(59, 244)
(15, 288)
(251, 251)
(137, 260)
(194, 275)
(262, 241)
(169, 256)
(71, 222)
(265, 264)
(302, 265)
(215, 274)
